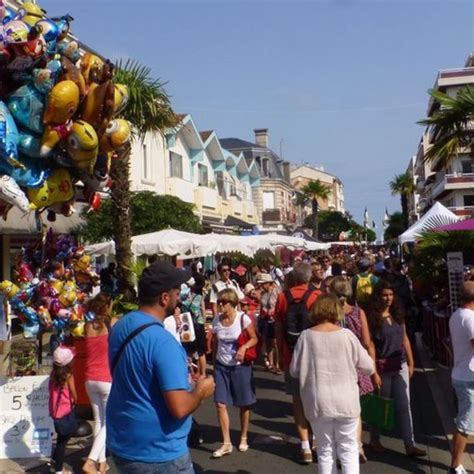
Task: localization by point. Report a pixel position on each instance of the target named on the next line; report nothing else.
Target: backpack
(363, 288)
(297, 319)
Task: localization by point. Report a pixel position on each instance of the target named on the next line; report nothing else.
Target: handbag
(378, 412)
(390, 364)
(250, 353)
(66, 425)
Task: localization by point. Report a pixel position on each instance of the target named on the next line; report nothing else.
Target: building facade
(274, 196)
(194, 167)
(452, 185)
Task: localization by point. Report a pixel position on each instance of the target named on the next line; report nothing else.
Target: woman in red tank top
(97, 377)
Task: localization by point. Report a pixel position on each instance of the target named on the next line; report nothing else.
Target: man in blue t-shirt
(150, 403)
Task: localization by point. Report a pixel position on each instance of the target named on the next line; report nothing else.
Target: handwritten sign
(25, 425)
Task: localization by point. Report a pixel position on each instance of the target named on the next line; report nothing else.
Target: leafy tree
(310, 193)
(450, 126)
(332, 223)
(149, 212)
(148, 110)
(395, 226)
(403, 185)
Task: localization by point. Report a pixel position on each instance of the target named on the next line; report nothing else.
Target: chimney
(261, 137)
(286, 171)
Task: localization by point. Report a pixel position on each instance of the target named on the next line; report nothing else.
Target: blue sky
(338, 83)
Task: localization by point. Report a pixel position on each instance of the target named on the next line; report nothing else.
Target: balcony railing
(463, 211)
(453, 181)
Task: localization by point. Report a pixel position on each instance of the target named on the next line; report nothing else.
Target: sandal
(243, 446)
(276, 371)
(226, 448)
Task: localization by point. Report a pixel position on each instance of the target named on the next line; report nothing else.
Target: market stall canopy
(437, 216)
(467, 224)
(187, 245)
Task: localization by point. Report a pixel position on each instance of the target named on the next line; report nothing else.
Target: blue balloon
(29, 145)
(31, 174)
(9, 136)
(8, 15)
(49, 29)
(27, 106)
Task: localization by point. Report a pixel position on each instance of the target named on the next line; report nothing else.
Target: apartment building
(452, 185)
(193, 166)
(274, 195)
(301, 175)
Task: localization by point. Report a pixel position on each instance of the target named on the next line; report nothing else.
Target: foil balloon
(16, 32)
(31, 330)
(99, 105)
(121, 97)
(8, 288)
(92, 68)
(78, 329)
(83, 145)
(116, 135)
(31, 174)
(70, 50)
(62, 103)
(27, 106)
(53, 134)
(64, 25)
(9, 136)
(13, 194)
(30, 13)
(45, 317)
(29, 144)
(57, 188)
(72, 73)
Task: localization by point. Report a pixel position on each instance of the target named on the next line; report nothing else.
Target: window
(268, 200)
(266, 167)
(203, 175)
(146, 163)
(176, 165)
(467, 165)
(469, 200)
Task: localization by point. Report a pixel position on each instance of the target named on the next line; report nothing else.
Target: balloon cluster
(53, 279)
(58, 110)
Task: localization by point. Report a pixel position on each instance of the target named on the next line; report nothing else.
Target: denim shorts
(182, 465)
(234, 385)
(266, 328)
(465, 395)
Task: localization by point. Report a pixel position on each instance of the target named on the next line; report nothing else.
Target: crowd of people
(336, 327)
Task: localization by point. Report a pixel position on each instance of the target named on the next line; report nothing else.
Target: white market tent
(437, 216)
(187, 245)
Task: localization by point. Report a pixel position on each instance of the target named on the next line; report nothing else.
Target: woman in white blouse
(325, 361)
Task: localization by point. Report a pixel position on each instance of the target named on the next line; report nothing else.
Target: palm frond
(149, 107)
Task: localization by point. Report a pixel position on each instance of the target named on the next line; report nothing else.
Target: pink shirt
(97, 359)
(64, 406)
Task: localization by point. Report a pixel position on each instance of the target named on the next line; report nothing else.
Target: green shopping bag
(378, 412)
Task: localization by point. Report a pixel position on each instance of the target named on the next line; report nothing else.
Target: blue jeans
(182, 465)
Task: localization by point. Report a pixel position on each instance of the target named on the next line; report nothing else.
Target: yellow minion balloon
(63, 101)
(120, 98)
(8, 288)
(31, 13)
(83, 145)
(92, 68)
(117, 134)
(57, 188)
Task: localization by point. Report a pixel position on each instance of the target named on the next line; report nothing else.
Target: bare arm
(182, 403)
(365, 333)
(72, 388)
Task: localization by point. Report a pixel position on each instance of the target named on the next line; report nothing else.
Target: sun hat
(248, 288)
(264, 278)
(62, 356)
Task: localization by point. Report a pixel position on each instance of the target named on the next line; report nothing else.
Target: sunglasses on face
(225, 270)
(222, 302)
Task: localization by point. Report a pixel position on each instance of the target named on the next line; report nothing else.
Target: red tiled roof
(205, 135)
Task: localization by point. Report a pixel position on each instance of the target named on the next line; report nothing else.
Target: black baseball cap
(161, 277)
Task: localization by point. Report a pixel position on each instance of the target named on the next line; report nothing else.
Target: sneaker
(457, 470)
(305, 456)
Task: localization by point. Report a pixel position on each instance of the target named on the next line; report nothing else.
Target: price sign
(25, 425)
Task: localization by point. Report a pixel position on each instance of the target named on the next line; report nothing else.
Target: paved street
(273, 444)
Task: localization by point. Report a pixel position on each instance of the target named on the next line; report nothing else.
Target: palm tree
(148, 110)
(403, 184)
(310, 193)
(450, 126)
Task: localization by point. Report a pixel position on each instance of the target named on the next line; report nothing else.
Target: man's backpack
(297, 317)
(363, 289)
